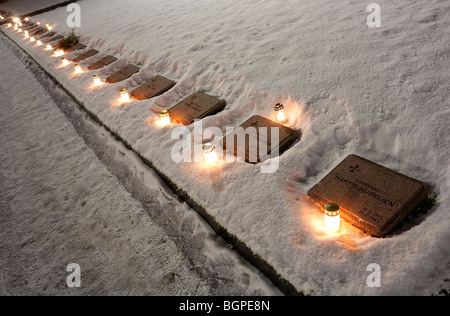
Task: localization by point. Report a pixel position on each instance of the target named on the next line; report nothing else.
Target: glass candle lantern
(165, 118)
(64, 61)
(332, 218)
(96, 79)
(77, 69)
(209, 153)
(124, 95)
(279, 109)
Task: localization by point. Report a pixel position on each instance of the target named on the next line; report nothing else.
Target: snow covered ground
(381, 93)
(59, 205)
(27, 6)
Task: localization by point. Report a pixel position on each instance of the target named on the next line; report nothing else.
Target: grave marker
(38, 31)
(29, 27)
(371, 197)
(152, 88)
(105, 61)
(75, 48)
(196, 106)
(287, 137)
(123, 74)
(52, 39)
(49, 34)
(88, 54)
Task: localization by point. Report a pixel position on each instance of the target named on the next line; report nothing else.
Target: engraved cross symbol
(353, 169)
(255, 124)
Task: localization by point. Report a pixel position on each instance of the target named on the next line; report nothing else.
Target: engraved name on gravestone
(88, 54)
(196, 107)
(123, 74)
(152, 88)
(105, 61)
(372, 197)
(287, 137)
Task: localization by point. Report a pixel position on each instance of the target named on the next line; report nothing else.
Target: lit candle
(124, 94)
(280, 114)
(20, 24)
(20, 30)
(59, 52)
(26, 34)
(38, 23)
(332, 218)
(165, 118)
(209, 153)
(96, 79)
(64, 61)
(16, 27)
(9, 25)
(32, 39)
(49, 27)
(48, 47)
(77, 69)
(1, 17)
(39, 43)
(26, 19)
(16, 20)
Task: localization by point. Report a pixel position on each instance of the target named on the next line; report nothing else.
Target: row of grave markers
(195, 107)
(371, 197)
(4, 15)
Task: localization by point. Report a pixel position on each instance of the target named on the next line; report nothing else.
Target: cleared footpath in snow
(61, 204)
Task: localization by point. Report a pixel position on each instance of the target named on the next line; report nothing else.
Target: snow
(20, 7)
(381, 93)
(60, 204)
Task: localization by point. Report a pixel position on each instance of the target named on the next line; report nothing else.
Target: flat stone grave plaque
(251, 133)
(38, 31)
(152, 88)
(123, 74)
(52, 39)
(49, 34)
(75, 48)
(29, 27)
(371, 197)
(196, 107)
(88, 54)
(105, 61)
